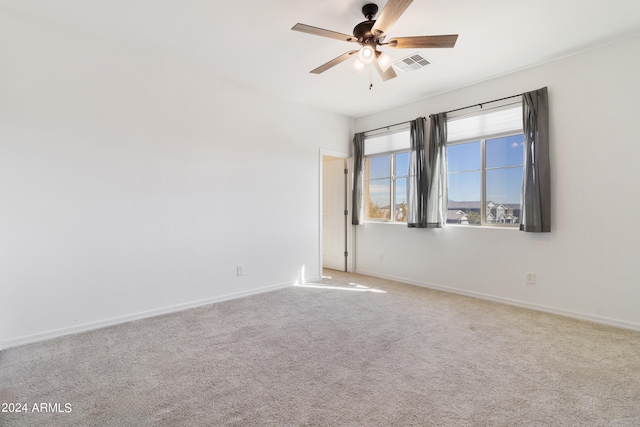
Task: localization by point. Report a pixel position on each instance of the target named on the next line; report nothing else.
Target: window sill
(471, 227)
(385, 222)
(484, 227)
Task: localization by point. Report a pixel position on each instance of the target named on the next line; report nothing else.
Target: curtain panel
(536, 181)
(417, 188)
(357, 217)
(436, 172)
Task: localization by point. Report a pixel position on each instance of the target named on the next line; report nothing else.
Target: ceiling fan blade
(423, 41)
(385, 75)
(333, 62)
(389, 15)
(322, 32)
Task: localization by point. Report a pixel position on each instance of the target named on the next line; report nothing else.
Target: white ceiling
(252, 42)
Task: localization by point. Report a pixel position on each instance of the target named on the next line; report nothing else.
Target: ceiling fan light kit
(370, 34)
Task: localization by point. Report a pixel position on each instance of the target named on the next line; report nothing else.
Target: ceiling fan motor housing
(362, 31)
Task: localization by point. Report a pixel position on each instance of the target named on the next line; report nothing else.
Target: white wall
(587, 266)
(131, 185)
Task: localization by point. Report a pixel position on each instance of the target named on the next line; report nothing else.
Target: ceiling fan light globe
(357, 67)
(366, 55)
(384, 61)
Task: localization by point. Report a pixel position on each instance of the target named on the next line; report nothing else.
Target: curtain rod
(481, 104)
(450, 111)
(390, 126)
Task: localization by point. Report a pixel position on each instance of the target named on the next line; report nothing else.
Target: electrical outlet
(380, 258)
(240, 270)
(531, 278)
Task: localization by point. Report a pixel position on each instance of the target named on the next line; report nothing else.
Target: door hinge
(346, 253)
(346, 171)
(346, 212)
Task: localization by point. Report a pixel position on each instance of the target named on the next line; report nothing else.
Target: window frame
(483, 177)
(392, 187)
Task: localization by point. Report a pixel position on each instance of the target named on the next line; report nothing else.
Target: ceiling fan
(370, 34)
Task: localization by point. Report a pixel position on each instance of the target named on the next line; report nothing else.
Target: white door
(333, 213)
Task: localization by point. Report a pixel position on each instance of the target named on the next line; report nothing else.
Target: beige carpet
(350, 351)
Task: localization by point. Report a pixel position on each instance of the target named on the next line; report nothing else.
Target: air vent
(411, 63)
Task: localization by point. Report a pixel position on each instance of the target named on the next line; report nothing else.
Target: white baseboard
(546, 309)
(30, 339)
(85, 327)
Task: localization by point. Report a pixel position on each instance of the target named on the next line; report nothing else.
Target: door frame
(349, 230)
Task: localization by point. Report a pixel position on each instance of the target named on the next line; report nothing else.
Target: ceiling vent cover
(411, 63)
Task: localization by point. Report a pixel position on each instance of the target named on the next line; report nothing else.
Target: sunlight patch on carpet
(356, 288)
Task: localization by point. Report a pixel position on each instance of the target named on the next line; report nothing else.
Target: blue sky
(503, 185)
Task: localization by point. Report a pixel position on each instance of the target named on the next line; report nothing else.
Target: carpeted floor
(349, 351)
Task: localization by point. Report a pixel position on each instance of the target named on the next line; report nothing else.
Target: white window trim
(405, 148)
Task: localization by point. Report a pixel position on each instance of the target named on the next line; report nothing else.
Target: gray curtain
(357, 216)
(417, 188)
(436, 171)
(536, 182)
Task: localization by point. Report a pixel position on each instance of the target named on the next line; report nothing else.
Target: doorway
(334, 212)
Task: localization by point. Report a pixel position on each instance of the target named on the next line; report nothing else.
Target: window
(485, 163)
(386, 173)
